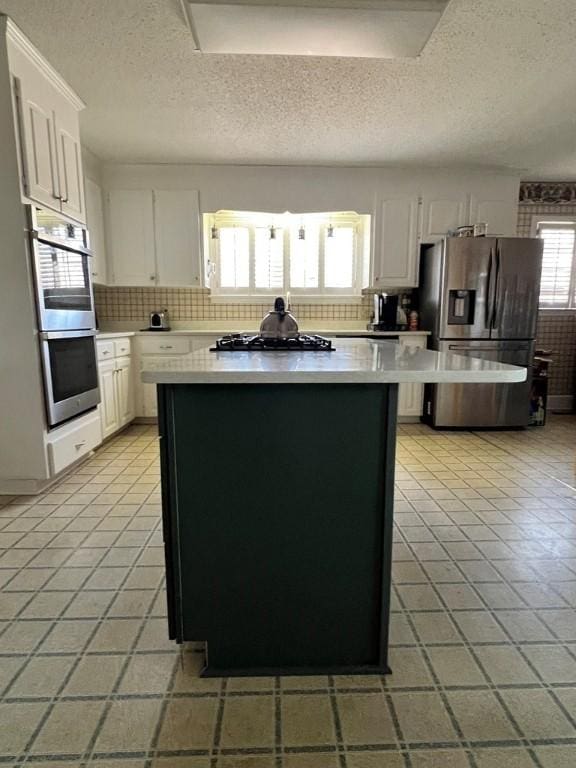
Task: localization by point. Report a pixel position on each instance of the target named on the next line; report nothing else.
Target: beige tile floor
(483, 630)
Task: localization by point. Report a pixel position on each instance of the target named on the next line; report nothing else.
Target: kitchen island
(277, 494)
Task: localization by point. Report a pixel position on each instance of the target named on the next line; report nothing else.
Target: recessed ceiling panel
(359, 30)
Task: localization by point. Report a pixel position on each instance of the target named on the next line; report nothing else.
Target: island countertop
(353, 361)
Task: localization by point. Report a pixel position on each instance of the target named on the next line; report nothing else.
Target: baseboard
(32, 487)
(408, 419)
(561, 403)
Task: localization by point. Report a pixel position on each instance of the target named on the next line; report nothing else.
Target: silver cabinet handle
(152, 277)
(105, 351)
(80, 444)
(166, 346)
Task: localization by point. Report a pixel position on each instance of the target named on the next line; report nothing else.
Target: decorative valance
(548, 192)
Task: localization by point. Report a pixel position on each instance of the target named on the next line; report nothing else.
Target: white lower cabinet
(124, 396)
(115, 377)
(108, 404)
(148, 401)
(411, 396)
(155, 347)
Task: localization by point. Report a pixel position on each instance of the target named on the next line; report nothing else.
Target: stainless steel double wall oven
(66, 318)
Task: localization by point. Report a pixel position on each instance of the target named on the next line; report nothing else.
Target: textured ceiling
(494, 86)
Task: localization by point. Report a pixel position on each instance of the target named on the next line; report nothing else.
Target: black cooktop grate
(238, 342)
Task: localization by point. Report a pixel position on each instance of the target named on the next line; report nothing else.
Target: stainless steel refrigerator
(479, 298)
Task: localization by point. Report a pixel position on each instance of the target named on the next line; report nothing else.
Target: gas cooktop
(238, 342)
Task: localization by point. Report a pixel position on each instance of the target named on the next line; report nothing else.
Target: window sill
(551, 311)
(220, 298)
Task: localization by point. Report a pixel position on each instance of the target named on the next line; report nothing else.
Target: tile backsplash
(556, 330)
(557, 333)
(134, 304)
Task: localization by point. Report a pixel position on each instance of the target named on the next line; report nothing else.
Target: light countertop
(103, 335)
(116, 328)
(360, 361)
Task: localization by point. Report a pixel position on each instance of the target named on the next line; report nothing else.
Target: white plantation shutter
(234, 244)
(304, 257)
(339, 258)
(558, 265)
(245, 261)
(268, 258)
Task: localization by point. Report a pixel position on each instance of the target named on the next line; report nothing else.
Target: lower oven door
(70, 374)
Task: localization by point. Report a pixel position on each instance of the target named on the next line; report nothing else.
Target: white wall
(92, 166)
(302, 189)
(22, 453)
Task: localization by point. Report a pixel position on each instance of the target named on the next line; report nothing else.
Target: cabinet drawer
(122, 347)
(202, 342)
(164, 345)
(105, 350)
(65, 449)
(416, 341)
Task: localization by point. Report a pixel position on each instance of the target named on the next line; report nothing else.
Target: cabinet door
(149, 400)
(124, 390)
(108, 404)
(396, 250)
(439, 215)
(411, 396)
(131, 237)
(38, 138)
(501, 216)
(177, 230)
(70, 164)
(95, 223)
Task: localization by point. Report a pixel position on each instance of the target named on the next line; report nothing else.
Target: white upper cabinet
(441, 214)
(395, 263)
(69, 154)
(47, 130)
(95, 223)
(177, 225)
(501, 216)
(154, 237)
(37, 133)
(131, 237)
(408, 219)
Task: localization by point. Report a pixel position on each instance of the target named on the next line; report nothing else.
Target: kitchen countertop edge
(354, 361)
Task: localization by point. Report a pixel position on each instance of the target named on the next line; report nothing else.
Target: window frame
(284, 226)
(539, 219)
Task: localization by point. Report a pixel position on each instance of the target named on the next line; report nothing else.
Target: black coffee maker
(385, 312)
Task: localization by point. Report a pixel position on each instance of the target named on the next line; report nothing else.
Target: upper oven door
(62, 273)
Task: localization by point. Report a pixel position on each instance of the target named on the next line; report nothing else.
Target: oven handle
(49, 335)
(55, 243)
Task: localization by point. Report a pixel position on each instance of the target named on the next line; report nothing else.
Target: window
(558, 282)
(260, 254)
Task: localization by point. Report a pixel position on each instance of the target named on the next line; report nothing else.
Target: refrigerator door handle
(486, 348)
(496, 303)
(489, 298)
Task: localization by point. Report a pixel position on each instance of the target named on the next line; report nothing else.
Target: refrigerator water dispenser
(461, 307)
